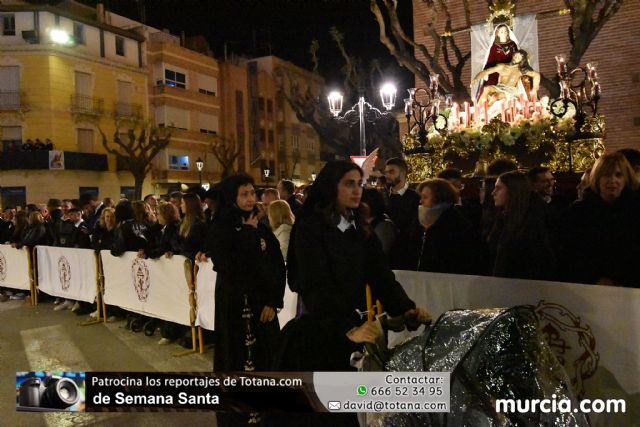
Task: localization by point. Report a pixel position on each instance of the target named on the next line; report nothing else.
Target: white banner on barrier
(206, 290)
(14, 268)
(592, 329)
(156, 288)
(67, 272)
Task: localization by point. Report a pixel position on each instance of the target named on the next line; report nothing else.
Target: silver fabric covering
(491, 354)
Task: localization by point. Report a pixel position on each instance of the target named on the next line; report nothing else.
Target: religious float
(505, 118)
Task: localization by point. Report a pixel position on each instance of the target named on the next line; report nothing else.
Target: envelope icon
(334, 406)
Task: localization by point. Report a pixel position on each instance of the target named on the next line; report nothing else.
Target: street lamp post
(362, 111)
(265, 174)
(200, 166)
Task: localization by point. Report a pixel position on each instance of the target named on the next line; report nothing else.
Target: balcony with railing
(127, 110)
(40, 160)
(87, 105)
(12, 100)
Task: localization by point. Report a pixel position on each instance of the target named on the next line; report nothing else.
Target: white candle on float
(562, 67)
(467, 114)
(486, 112)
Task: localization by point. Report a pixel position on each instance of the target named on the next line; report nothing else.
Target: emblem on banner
(141, 280)
(64, 273)
(3, 267)
(572, 341)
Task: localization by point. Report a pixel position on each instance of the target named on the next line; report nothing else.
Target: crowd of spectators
(516, 226)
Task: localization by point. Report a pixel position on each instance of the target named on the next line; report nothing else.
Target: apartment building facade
(112, 72)
(65, 75)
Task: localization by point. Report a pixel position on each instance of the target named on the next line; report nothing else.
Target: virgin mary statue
(489, 49)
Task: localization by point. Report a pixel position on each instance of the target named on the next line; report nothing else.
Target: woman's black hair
(324, 192)
(374, 199)
(124, 211)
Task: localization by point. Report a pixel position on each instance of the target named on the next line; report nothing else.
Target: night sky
(283, 28)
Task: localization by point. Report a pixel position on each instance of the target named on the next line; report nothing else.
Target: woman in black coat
(104, 233)
(333, 255)
(35, 233)
(130, 234)
(170, 241)
(447, 243)
(601, 239)
(193, 228)
(250, 280)
(519, 242)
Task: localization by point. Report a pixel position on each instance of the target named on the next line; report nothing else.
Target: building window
(271, 137)
(261, 104)
(207, 85)
(78, 33)
(127, 192)
(85, 140)
(13, 196)
(175, 79)
(94, 191)
(295, 142)
(9, 88)
(208, 123)
(179, 163)
(263, 136)
(9, 25)
(11, 138)
(119, 46)
(269, 106)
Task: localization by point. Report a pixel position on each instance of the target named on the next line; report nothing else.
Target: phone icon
(362, 390)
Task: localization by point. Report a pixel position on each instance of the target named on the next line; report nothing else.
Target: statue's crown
(502, 12)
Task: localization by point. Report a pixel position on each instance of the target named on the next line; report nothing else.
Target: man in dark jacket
(6, 226)
(287, 189)
(89, 203)
(403, 211)
(81, 237)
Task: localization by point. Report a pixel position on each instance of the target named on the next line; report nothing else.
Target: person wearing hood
(250, 280)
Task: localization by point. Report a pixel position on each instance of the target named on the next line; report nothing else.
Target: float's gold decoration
(529, 143)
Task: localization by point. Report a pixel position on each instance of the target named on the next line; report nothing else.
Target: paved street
(38, 338)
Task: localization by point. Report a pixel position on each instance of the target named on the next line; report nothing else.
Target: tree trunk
(138, 180)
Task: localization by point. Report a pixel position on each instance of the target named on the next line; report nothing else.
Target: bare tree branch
(137, 151)
(226, 151)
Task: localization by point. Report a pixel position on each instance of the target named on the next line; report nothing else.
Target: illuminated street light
(200, 166)
(59, 36)
(362, 112)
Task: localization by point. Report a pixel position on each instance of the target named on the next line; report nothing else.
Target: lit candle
(467, 111)
(434, 82)
(408, 107)
(455, 110)
(526, 109)
(562, 67)
(591, 71)
(596, 89)
(486, 112)
(513, 109)
(504, 111)
(533, 97)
